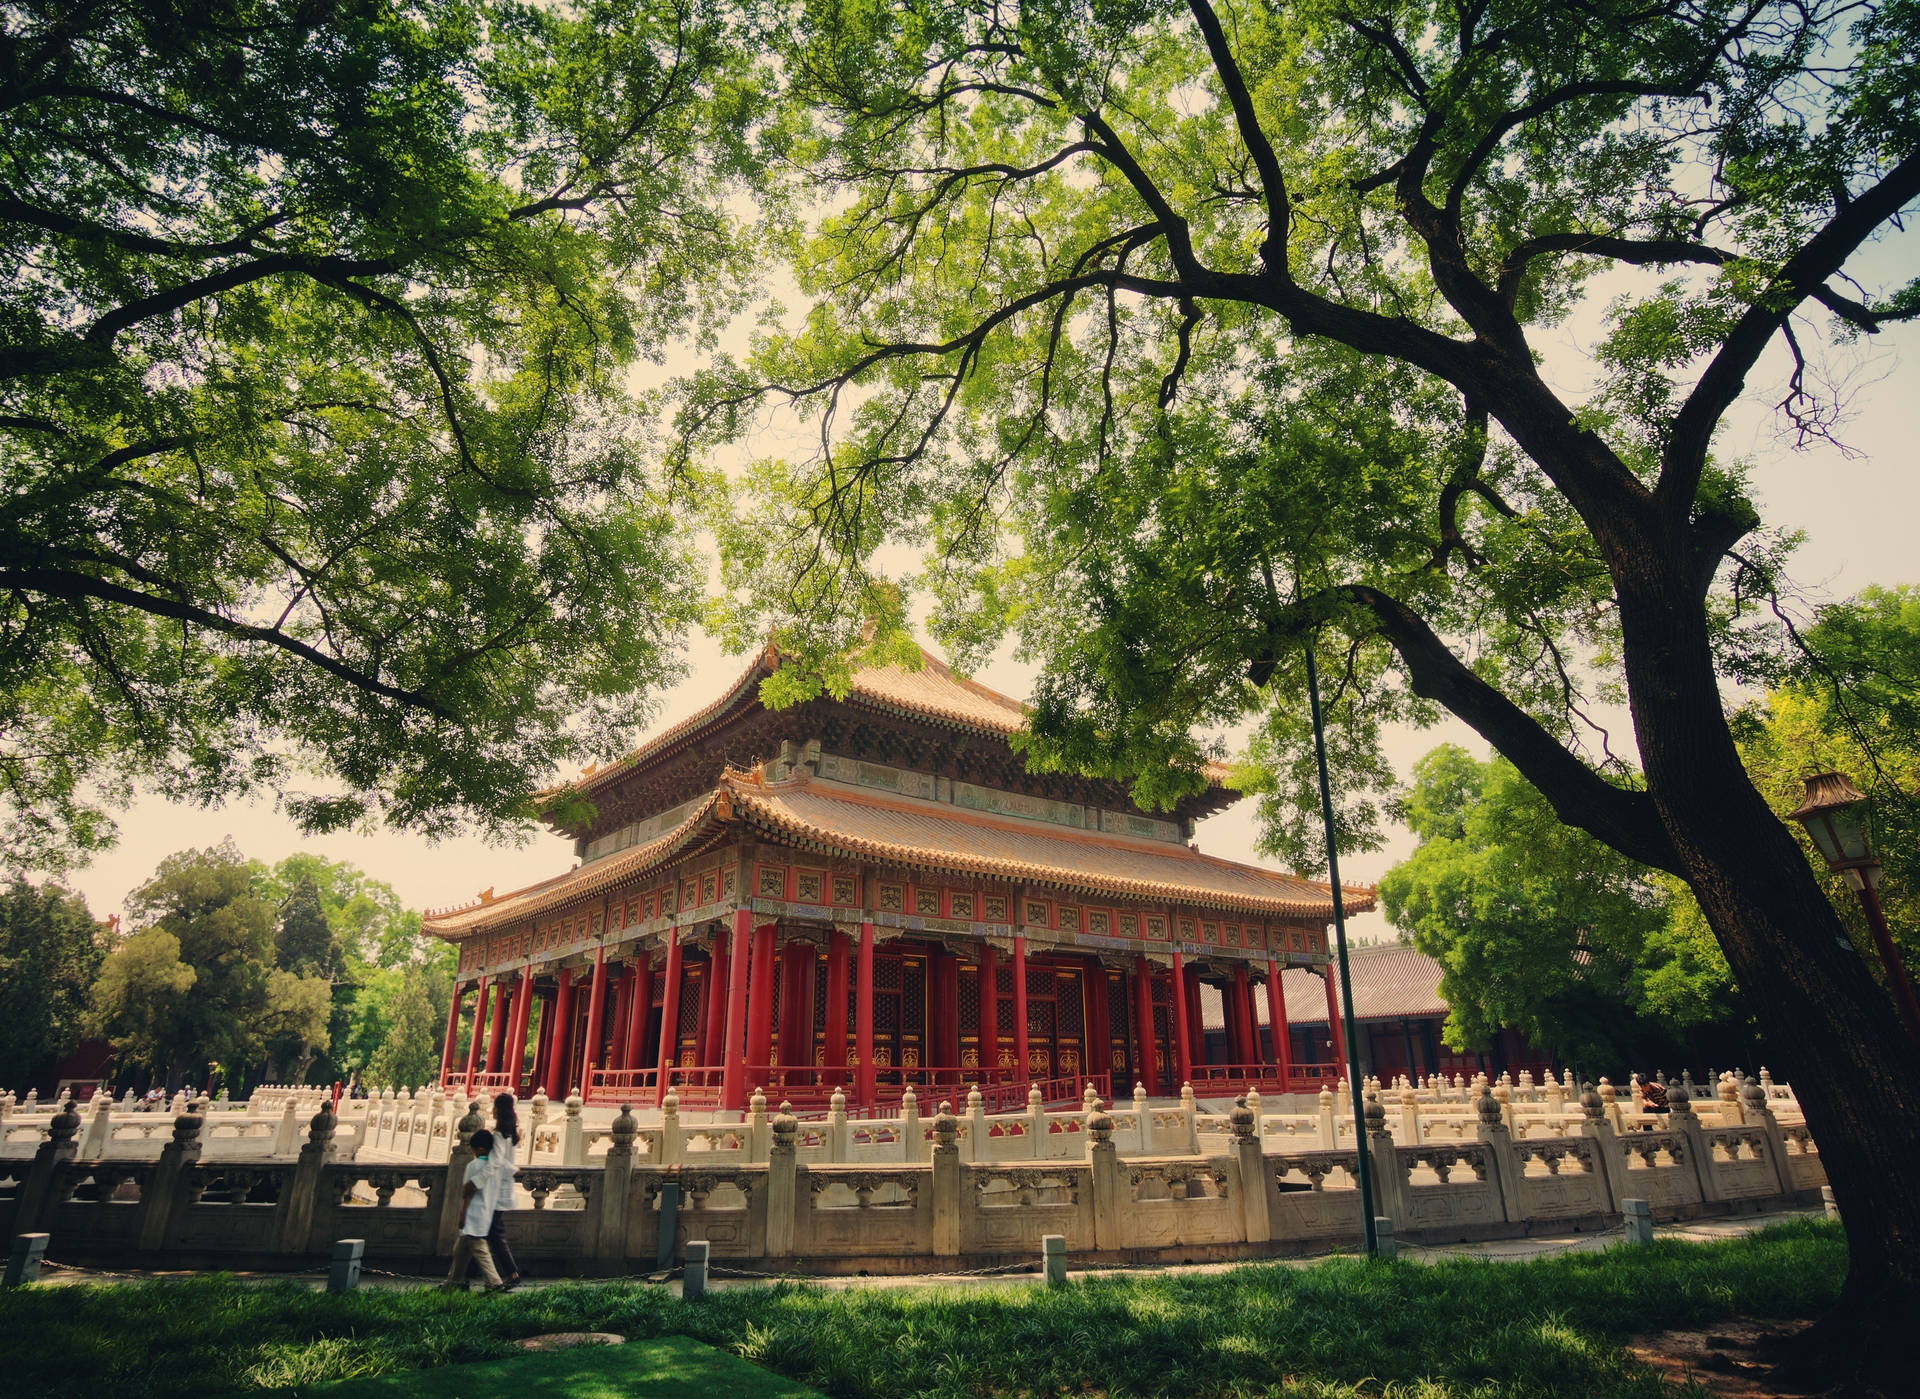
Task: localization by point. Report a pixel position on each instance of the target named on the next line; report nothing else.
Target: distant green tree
(50, 953)
(408, 1055)
(306, 942)
(1540, 927)
(202, 926)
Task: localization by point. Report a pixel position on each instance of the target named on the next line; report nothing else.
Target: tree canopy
(1539, 927)
(50, 952)
(320, 472)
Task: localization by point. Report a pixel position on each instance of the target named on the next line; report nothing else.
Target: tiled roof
(1390, 982)
(931, 692)
(855, 824)
(936, 836)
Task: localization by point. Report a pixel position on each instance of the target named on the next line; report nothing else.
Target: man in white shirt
(477, 1192)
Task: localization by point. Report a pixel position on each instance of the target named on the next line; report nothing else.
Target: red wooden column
(733, 1031)
(453, 1032)
(517, 1032)
(1196, 1023)
(497, 1026)
(796, 1004)
(619, 1012)
(947, 995)
(713, 1022)
(479, 1028)
(596, 1021)
(669, 1019)
(1021, 1072)
(1143, 1068)
(536, 1081)
(638, 1004)
(560, 1047)
(759, 1008)
(863, 1019)
(836, 1028)
(989, 1013)
(1182, 1039)
(1099, 1022)
(1277, 1017)
(1249, 1023)
(1334, 1026)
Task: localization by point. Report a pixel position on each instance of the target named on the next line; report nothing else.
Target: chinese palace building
(871, 893)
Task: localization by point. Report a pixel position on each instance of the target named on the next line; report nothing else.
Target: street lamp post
(1363, 1166)
(1832, 810)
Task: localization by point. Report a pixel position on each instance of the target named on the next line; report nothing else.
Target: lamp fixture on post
(1833, 811)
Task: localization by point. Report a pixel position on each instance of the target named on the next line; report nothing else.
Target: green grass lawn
(1338, 1328)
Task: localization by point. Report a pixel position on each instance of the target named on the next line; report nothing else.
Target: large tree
(1190, 335)
(50, 952)
(318, 469)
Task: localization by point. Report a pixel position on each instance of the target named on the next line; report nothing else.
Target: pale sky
(1859, 512)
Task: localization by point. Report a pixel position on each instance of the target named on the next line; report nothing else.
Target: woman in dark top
(506, 1152)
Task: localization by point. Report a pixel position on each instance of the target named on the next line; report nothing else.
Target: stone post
(1259, 1120)
(1036, 1123)
(839, 1135)
(93, 1143)
(458, 1154)
(693, 1270)
(910, 1127)
(293, 1229)
(1110, 1190)
(1053, 1259)
(343, 1271)
(1681, 1116)
(1141, 1120)
(1191, 1111)
(673, 1142)
(1250, 1167)
(758, 1139)
(1384, 1247)
(286, 1137)
(1610, 1157)
(38, 1194)
(1637, 1219)
(573, 1134)
(1389, 1181)
(977, 1149)
(1610, 1105)
(167, 1192)
(946, 1182)
(1409, 1118)
(616, 1184)
(536, 1114)
(1756, 1111)
(1329, 1137)
(1492, 1133)
(1089, 1099)
(23, 1263)
(783, 1197)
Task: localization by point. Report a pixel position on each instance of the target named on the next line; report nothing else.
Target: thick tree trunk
(1840, 1044)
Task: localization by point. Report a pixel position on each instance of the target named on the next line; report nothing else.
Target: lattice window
(1161, 991)
(690, 1006)
(770, 882)
(995, 906)
(806, 887)
(892, 897)
(1040, 1016)
(1005, 1016)
(886, 973)
(969, 1000)
(962, 905)
(886, 1015)
(913, 997)
(1119, 1011)
(820, 991)
(657, 993)
(1072, 1008)
(843, 893)
(926, 902)
(1003, 979)
(1039, 980)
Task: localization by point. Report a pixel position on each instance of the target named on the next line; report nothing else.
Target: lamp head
(1834, 812)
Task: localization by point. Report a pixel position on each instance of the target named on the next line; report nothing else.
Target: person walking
(506, 1152)
(476, 1200)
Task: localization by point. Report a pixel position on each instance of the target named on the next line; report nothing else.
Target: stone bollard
(1053, 1259)
(1384, 1247)
(343, 1273)
(1638, 1216)
(23, 1264)
(1833, 1205)
(693, 1272)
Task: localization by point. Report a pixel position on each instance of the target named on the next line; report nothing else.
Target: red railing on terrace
(696, 1086)
(1215, 1080)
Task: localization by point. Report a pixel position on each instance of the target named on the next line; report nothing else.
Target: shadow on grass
(1548, 1327)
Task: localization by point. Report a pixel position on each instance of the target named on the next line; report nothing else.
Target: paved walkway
(1494, 1250)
